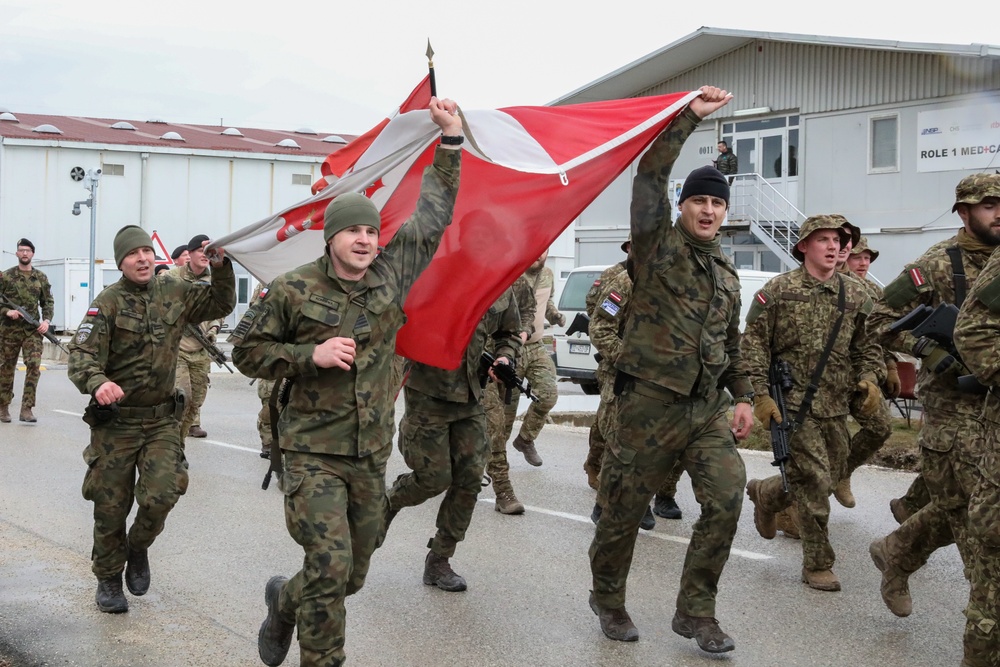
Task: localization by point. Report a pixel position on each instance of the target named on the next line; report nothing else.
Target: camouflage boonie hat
(855, 231)
(974, 189)
(817, 222)
(627, 243)
(861, 246)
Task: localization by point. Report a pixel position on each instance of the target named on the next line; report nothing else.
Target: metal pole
(93, 231)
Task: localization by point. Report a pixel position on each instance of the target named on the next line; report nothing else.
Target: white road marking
(71, 414)
(749, 555)
(229, 446)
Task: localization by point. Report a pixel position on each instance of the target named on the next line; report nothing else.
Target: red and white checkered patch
(916, 276)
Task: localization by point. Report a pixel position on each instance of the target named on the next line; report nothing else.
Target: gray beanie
(128, 239)
(347, 210)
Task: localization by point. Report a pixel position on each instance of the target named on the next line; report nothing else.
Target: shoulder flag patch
(263, 293)
(615, 296)
(916, 276)
(93, 310)
(761, 297)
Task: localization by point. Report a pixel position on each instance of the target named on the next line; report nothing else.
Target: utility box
(70, 280)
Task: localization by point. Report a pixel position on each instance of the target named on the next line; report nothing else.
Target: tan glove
(892, 384)
(872, 397)
(765, 409)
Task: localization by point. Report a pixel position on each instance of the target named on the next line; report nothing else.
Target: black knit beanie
(705, 181)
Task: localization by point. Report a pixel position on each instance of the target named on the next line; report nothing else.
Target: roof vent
(306, 130)
(6, 115)
(232, 132)
(158, 121)
(335, 139)
(123, 125)
(47, 129)
(172, 136)
(288, 143)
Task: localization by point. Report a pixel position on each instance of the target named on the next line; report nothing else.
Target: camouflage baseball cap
(818, 222)
(974, 189)
(861, 246)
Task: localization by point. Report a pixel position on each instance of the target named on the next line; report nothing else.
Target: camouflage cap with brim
(818, 222)
(861, 246)
(855, 231)
(974, 189)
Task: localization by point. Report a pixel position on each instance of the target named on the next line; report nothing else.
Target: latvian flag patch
(916, 276)
(761, 298)
(616, 297)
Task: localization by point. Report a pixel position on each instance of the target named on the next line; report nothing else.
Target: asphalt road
(528, 575)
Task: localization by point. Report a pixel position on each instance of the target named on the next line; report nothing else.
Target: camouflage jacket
(728, 163)
(523, 291)
(977, 336)
(595, 290)
(190, 344)
(929, 281)
(875, 294)
(792, 317)
(332, 411)
(30, 290)
(609, 316)
(131, 333)
(682, 331)
(501, 323)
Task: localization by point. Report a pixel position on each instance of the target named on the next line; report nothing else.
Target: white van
(574, 354)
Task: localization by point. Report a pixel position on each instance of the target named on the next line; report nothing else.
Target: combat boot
(197, 432)
(821, 580)
(764, 521)
(842, 492)
(275, 635)
(4, 414)
(438, 572)
(110, 597)
(527, 447)
(26, 415)
(900, 511)
(703, 629)
(615, 623)
(666, 507)
(137, 571)
(895, 583)
(787, 521)
(648, 521)
(507, 503)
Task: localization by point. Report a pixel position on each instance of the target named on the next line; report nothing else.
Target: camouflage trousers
(444, 444)
(499, 423)
(333, 510)
(264, 389)
(128, 460)
(654, 429)
(535, 364)
(875, 430)
(192, 379)
(917, 495)
(15, 340)
(817, 463)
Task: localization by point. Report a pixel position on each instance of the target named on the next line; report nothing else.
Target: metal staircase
(772, 219)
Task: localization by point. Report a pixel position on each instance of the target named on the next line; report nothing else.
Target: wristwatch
(745, 398)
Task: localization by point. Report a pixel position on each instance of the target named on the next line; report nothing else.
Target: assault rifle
(779, 381)
(32, 322)
(580, 324)
(217, 355)
(938, 325)
(507, 375)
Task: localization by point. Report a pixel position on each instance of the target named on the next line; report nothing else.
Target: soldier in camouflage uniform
(951, 439)
(28, 288)
(443, 438)
(264, 389)
(535, 362)
(681, 349)
(193, 362)
(330, 327)
(500, 416)
(792, 318)
(977, 333)
(125, 356)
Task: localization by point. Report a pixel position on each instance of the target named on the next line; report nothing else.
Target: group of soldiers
(321, 340)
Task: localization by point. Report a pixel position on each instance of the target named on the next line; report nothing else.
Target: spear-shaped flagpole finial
(430, 68)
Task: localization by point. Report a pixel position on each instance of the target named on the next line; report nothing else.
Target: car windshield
(574, 294)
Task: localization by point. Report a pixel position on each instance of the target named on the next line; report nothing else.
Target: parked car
(574, 353)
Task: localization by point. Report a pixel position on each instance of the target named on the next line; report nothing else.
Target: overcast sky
(336, 66)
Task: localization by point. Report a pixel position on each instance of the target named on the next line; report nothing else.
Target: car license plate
(579, 348)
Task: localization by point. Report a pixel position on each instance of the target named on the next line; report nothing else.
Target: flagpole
(430, 68)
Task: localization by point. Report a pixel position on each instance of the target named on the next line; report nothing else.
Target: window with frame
(301, 179)
(884, 148)
(108, 169)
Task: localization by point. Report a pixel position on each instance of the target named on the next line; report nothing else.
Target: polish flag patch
(916, 276)
(263, 293)
(93, 311)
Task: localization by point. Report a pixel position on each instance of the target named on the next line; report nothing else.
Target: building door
(768, 147)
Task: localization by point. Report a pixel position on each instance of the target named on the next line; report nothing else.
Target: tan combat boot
(787, 521)
(765, 522)
(895, 586)
(527, 447)
(900, 511)
(26, 415)
(4, 414)
(821, 580)
(842, 492)
(507, 503)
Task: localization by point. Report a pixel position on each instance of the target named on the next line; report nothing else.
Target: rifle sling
(958, 274)
(351, 315)
(817, 375)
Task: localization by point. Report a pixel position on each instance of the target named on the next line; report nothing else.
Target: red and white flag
(527, 173)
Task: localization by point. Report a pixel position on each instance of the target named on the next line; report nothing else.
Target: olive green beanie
(128, 239)
(347, 210)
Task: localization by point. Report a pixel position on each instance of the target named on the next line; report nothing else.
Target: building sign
(959, 138)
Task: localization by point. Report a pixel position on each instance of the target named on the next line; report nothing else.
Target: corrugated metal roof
(196, 137)
(707, 44)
